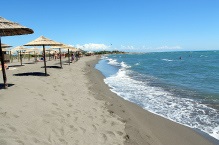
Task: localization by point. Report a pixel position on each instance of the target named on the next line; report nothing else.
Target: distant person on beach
(5, 66)
(42, 58)
(55, 55)
(72, 57)
(77, 56)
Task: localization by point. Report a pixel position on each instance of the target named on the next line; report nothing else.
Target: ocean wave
(185, 111)
(167, 60)
(114, 62)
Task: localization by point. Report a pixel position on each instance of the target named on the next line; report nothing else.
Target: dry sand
(73, 106)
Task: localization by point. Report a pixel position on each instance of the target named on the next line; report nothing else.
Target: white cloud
(130, 48)
(127, 48)
(92, 47)
(169, 48)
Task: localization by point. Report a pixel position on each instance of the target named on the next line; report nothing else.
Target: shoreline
(141, 125)
(74, 106)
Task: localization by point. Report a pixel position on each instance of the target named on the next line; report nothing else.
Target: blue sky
(127, 25)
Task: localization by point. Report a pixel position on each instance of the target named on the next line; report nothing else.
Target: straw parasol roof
(64, 46)
(5, 45)
(5, 49)
(19, 48)
(59, 47)
(43, 41)
(37, 50)
(8, 28)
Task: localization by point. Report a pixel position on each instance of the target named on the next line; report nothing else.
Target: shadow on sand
(52, 67)
(30, 63)
(15, 65)
(2, 85)
(31, 74)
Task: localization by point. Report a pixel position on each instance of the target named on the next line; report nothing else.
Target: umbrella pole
(18, 56)
(10, 56)
(49, 55)
(68, 57)
(60, 57)
(44, 58)
(21, 57)
(35, 57)
(29, 57)
(3, 66)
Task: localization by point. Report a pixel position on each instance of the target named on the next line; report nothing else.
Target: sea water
(180, 86)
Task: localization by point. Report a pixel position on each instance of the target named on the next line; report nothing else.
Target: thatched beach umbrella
(73, 49)
(29, 51)
(49, 51)
(60, 57)
(42, 41)
(36, 51)
(20, 49)
(8, 28)
(4, 48)
(5, 45)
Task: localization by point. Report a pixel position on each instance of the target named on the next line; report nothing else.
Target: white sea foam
(113, 62)
(203, 56)
(167, 60)
(155, 99)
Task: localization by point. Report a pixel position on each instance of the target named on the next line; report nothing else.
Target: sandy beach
(73, 106)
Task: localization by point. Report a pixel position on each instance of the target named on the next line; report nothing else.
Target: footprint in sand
(54, 112)
(44, 99)
(94, 109)
(103, 138)
(94, 127)
(62, 131)
(126, 137)
(63, 141)
(16, 116)
(65, 99)
(59, 109)
(3, 142)
(119, 133)
(104, 121)
(84, 130)
(113, 123)
(111, 133)
(69, 105)
(36, 140)
(20, 142)
(12, 128)
(75, 119)
(55, 104)
(91, 117)
(2, 130)
(3, 114)
(76, 142)
(73, 128)
(41, 95)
